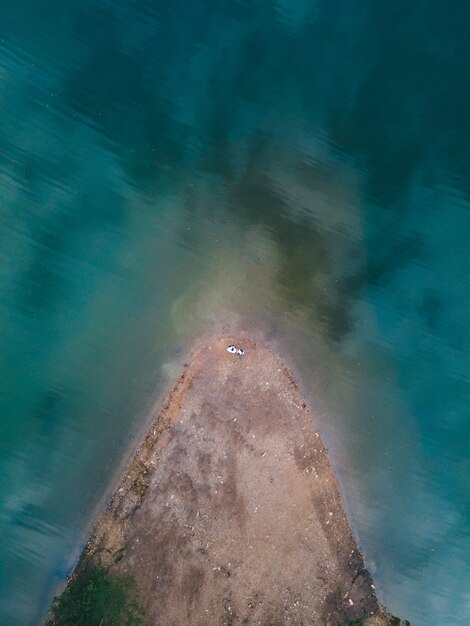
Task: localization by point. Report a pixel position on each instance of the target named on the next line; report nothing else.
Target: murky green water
(298, 172)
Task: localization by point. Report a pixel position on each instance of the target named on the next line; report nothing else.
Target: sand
(229, 512)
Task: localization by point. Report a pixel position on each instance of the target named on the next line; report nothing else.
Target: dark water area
(295, 171)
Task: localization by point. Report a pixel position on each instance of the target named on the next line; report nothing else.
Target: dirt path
(229, 513)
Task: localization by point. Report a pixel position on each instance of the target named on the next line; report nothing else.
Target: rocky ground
(229, 512)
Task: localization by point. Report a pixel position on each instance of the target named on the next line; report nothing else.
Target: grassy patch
(141, 483)
(97, 598)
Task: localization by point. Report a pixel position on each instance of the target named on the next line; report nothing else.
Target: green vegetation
(97, 598)
(141, 483)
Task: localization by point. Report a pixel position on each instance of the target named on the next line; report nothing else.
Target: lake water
(297, 171)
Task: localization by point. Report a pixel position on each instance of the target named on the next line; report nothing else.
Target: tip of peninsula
(229, 512)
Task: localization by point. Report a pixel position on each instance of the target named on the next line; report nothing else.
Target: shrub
(96, 598)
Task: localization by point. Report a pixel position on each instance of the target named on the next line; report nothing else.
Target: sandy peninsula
(229, 512)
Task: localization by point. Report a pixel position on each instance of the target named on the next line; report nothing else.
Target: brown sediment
(229, 512)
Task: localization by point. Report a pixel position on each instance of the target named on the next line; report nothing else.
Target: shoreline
(140, 487)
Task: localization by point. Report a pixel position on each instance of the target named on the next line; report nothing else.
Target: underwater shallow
(297, 173)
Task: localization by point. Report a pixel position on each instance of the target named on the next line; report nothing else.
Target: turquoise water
(297, 172)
